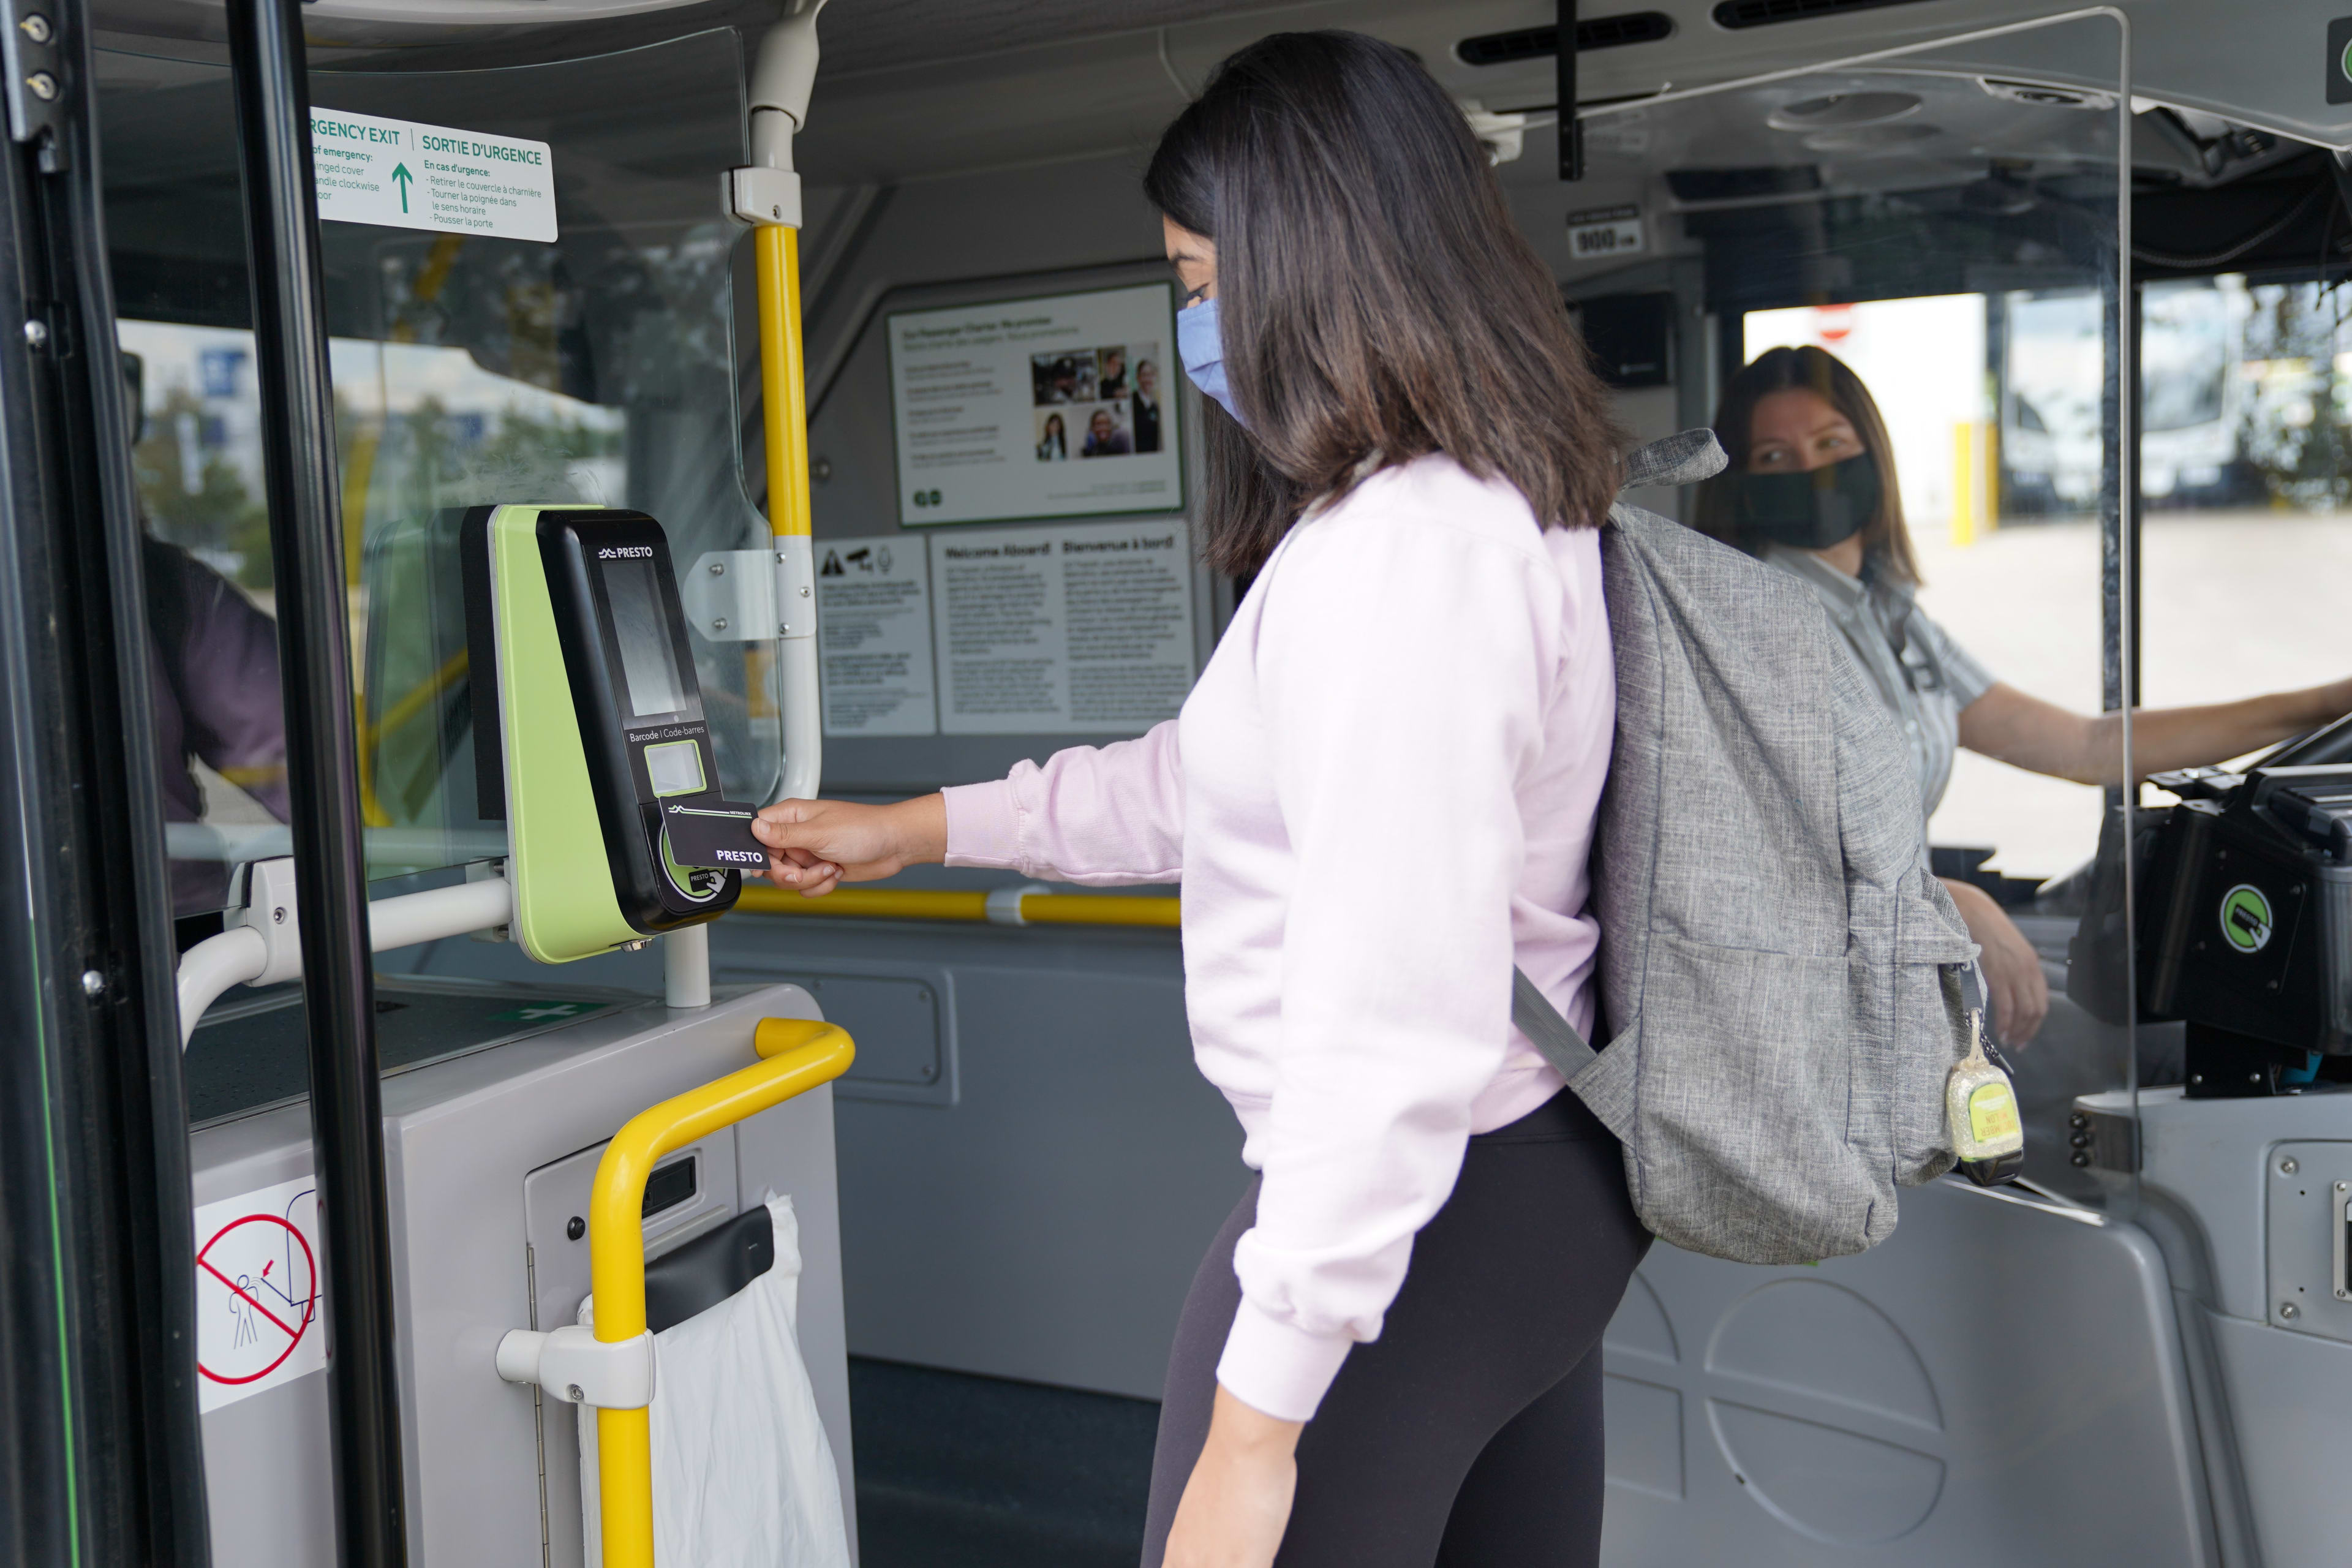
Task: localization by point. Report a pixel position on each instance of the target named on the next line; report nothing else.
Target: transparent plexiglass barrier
(1944, 224)
(599, 367)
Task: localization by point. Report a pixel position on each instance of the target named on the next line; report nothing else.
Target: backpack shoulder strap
(1683, 458)
(1539, 1021)
(1679, 459)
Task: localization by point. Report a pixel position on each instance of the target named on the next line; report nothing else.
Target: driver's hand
(2013, 970)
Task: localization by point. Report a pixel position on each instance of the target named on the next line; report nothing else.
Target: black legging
(1468, 1435)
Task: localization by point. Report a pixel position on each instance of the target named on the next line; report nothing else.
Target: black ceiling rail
(1592, 33)
(1566, 41)
(306, 544)
(1738, 14)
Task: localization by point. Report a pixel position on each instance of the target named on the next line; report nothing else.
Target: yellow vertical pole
(1976, 480)
(784, 389)
(1964, 489)
(784, 396)
(1990, 472)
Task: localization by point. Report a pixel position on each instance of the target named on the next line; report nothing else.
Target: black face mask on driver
(1812, 510)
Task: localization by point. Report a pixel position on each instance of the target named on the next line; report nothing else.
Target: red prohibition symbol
(293, 1331)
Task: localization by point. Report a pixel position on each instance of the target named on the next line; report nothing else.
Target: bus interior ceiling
(1029, 1166)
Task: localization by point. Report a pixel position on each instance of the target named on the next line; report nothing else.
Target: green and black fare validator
(597, 739)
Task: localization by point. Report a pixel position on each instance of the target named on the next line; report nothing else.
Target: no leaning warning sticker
(258, 1299)
(402, 174)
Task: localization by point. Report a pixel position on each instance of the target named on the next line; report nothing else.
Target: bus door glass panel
(2246, 485)
(1943, 222)
(468, 369)
(2245, 543)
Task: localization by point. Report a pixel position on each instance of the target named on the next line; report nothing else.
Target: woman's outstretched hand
(814, 845)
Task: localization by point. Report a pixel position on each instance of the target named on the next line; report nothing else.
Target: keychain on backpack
(1980, 1114)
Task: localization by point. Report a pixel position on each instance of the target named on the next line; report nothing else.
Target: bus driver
(1810, 489)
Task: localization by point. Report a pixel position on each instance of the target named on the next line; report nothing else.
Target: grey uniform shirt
(1922, 675)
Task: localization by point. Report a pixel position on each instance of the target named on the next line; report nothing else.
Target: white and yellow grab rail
(611, 1367)
(766, 193)
(1019, 906)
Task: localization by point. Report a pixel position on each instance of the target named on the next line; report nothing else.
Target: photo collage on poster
(1101, 401)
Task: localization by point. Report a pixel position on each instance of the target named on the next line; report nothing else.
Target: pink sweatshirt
(1379, 794)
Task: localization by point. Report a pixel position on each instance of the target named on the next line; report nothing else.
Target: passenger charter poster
(1061, 406)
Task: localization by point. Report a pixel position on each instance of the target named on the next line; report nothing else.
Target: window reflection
(422, 430)
(1992, 407)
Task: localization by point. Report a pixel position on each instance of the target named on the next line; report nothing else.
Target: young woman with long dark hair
(1379, 796)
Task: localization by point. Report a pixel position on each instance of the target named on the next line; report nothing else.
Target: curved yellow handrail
(963, 906)
(796, 1055)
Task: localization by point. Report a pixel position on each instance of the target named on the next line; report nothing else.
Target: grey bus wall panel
(1080, 1174)
(2242, 1232)
(1045, 1224)
(462, 1135)
(1038, 1215)
(1881, 1410)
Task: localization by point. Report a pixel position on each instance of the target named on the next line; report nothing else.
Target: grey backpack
(1787, 984)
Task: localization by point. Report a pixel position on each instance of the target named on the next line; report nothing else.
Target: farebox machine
(2246, 915)
(598, 723)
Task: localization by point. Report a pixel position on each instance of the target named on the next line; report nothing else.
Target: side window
(221, 736)
(1991, 403)
(422, 428)
(592, 363)
(2246, 464)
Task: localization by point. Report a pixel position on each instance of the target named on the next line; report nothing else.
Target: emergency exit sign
(401, 174)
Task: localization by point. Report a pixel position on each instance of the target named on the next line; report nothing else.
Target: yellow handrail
(784, 391)
(1096, 909)
(796, 1055)
(869, 903)
(964, 907)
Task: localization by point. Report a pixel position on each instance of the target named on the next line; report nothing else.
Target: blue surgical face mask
(1203, 351)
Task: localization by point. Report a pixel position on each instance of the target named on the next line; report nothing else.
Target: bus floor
(984, 1472)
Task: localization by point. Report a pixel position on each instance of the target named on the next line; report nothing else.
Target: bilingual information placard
(874, 637)
(402, 174)
(1075, 629)
(1063, 406)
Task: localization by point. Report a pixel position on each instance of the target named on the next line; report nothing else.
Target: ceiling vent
(1736, 13)
(1542, 43)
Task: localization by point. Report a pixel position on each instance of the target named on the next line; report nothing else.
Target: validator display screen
(648, 656)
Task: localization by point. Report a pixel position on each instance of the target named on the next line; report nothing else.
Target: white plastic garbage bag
(743, 1477)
